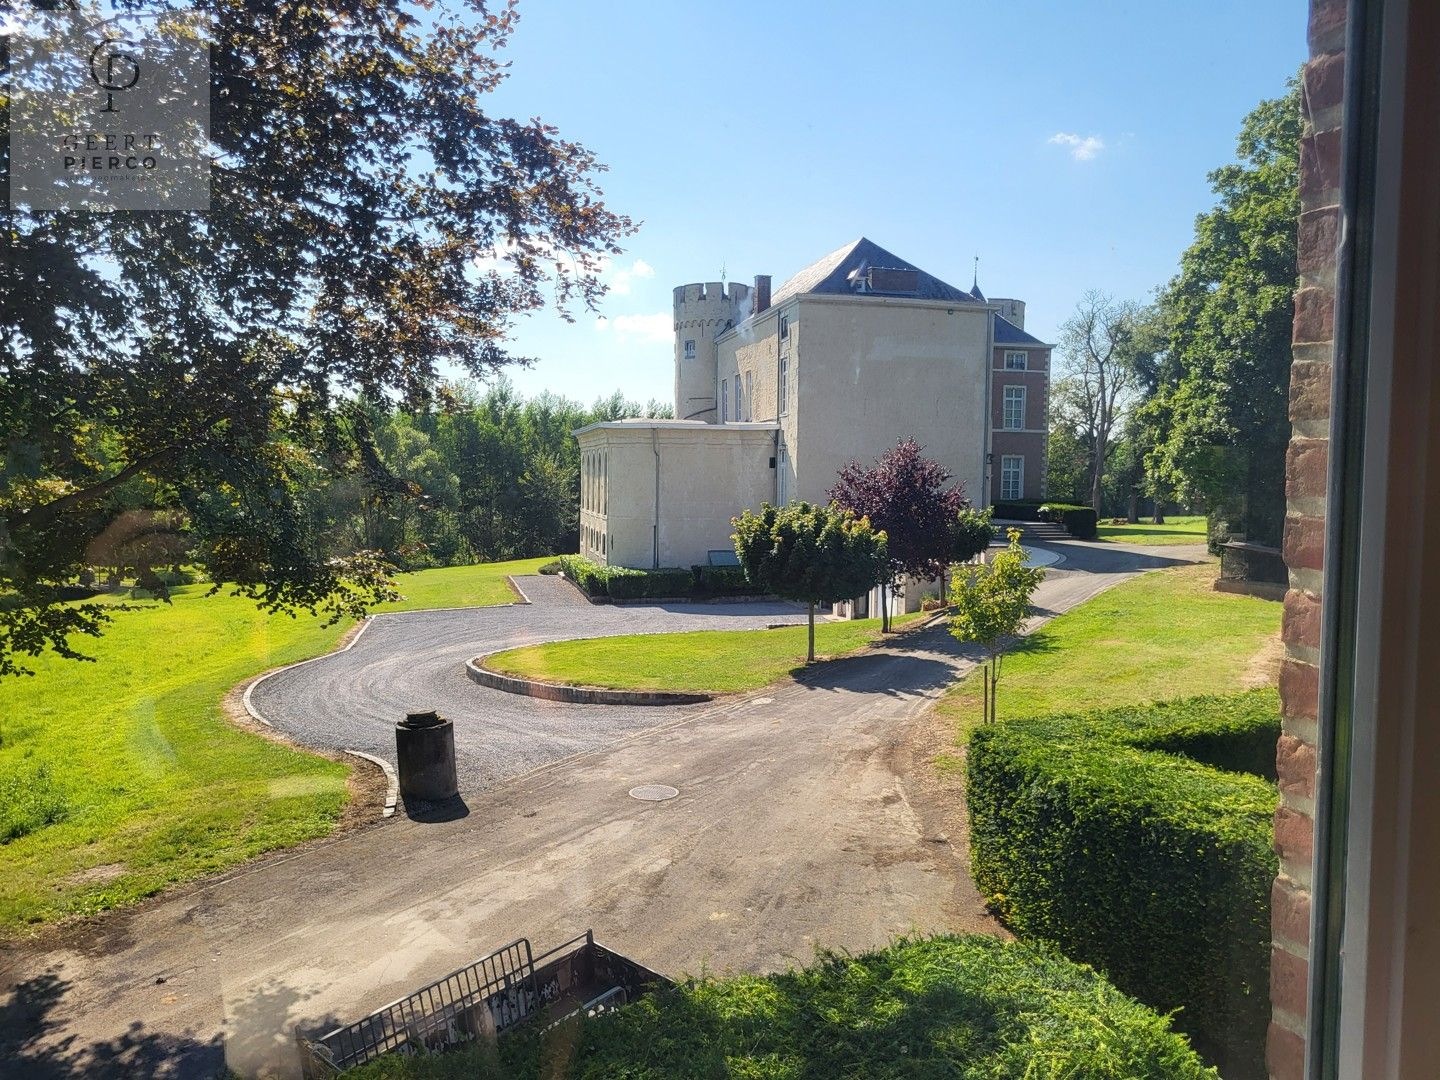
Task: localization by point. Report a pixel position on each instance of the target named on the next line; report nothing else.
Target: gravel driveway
(412, 660)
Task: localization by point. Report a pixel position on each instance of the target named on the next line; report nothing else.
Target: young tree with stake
(991, 604)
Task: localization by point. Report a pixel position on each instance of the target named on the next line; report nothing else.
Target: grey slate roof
(1007, 333)
(832, 274)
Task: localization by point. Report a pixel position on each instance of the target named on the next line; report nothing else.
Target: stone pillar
(1307, 462)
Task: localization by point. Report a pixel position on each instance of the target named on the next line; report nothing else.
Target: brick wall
(1305, 476)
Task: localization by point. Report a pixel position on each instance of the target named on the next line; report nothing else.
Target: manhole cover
(653, 792)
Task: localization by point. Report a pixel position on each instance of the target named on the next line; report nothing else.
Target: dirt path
(800, 822)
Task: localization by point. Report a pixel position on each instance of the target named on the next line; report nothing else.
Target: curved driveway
(403, 661)
(416, 660)
(797, 824)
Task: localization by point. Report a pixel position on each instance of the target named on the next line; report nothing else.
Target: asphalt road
(798, 824)
(411, 660)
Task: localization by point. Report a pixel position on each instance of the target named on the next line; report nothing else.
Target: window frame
(1019, 461)
(1005, 400)
(1024, 357)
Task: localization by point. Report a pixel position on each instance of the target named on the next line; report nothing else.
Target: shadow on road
(435, 812)
(32, 1045)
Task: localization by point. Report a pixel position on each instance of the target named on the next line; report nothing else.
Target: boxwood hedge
(668, 582)
(1129, 839)
(1080, 522)
(939, 1007)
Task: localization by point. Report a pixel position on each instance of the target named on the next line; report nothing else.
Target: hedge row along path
(794, 827)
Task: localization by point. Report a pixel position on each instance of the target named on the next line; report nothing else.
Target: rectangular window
(784, 384)
(749, 395)
(784, 327)
(739, 400)
(724, 400)
(1017, 361)
(1014, 414)
(690, 350)
(1012, 476)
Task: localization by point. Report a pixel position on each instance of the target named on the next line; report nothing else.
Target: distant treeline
(494, 475)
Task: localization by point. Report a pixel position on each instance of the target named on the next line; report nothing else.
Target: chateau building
(776, 392)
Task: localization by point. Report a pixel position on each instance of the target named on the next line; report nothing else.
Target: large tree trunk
(1096, 485)
(1132, 508)
(884, 608)
(810, 656)
(1159, 516)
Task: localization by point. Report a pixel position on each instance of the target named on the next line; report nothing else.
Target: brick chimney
(760, 295)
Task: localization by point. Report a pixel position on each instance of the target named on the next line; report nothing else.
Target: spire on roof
(975, 282)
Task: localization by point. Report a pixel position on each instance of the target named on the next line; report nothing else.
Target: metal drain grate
(654, 792)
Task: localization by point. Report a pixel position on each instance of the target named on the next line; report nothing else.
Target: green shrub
(941, 1007)
(1079, 521)
(1094, 832)
(1018, 509)
(29, 801)
(554, 566)
(594, 579)
(725, 581)
(663, 584)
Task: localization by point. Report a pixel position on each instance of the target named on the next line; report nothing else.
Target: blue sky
(1065, 143)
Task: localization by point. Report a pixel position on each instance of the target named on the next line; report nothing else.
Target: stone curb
(518, 592)
(392, 781)
(249, 705)
(575, 695)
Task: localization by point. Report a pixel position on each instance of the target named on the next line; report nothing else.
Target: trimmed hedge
(1079, 521)
(1018, 509)
(1120, 837)
(939, 1007)
(667, 583)
(593, 578)
(725, 581)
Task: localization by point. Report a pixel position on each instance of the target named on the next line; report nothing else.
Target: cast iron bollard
(425, 752)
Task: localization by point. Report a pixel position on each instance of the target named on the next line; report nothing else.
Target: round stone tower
(702, 312)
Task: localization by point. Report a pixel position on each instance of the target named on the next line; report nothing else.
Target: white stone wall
(707, 474)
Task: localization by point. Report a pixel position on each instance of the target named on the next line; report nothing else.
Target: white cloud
(1084, 148)
(658, 329)
(621, 280)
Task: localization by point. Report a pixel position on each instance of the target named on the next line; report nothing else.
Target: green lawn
(1176, 530)
(461, 586)
(1164, 634)
(122, 776)
(705, 661)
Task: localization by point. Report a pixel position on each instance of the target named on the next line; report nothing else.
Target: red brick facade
(1304, 546)
(1030, 442)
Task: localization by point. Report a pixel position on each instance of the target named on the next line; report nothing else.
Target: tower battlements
(712, 292)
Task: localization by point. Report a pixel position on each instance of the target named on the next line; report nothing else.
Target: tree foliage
(1218, 422)
(811, 554)
(990, 603)
(1107, 347)
(370, 221)
(909, 498)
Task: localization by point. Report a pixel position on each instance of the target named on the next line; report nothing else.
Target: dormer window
(690, 349)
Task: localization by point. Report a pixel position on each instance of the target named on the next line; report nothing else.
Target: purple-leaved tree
(910, 498)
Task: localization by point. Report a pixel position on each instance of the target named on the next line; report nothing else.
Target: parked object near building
(777, 390)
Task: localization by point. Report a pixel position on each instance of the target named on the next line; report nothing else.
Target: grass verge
(122, 776)
(461, 586)
(1176, 530)
(1164, 634)
(702, 661)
